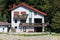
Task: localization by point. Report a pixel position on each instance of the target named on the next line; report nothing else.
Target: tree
(56, 20)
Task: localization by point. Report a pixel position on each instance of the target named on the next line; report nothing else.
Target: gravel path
(16, 37)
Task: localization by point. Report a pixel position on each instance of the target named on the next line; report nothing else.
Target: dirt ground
(16, 37)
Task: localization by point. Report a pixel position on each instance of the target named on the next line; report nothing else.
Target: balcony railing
(33, 24)
(21, 16)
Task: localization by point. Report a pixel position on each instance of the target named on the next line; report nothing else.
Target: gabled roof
(23, 4)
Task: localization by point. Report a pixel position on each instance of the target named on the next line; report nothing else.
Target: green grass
(3, 33)
(46, 34)
(56, 34)
(36, 34)
(31, 34)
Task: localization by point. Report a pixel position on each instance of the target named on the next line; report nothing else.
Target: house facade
(25, 18)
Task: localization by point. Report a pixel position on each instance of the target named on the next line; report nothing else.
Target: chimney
(14, 5)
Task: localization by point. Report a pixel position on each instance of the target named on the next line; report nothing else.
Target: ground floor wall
(25, 29)
(3, 29)
(28, 29)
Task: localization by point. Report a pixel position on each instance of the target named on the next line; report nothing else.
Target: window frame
(15, 21)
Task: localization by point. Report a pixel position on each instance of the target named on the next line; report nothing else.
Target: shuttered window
(16, 13)
(23, 12)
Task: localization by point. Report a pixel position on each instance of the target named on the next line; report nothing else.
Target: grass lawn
(30, 34)
(56, 34)
(37, 34)
(46, 34)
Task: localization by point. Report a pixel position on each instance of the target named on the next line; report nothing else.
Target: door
(38, 29)
(24, 29)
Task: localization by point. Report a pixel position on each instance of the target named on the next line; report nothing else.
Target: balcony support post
(43, 25)
(43, 28)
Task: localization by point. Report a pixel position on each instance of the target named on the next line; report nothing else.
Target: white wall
(20, 9)
(5, 29)
(28, 11)
(29, 29)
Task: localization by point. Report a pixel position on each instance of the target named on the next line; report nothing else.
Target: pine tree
(56, 20)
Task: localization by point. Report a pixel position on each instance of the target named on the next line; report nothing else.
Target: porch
(33, 24)
(21, 16)
(33, 27)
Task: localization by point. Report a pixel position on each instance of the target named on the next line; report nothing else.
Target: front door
(24, 29)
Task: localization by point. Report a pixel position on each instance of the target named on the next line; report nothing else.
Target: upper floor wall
(30, 13)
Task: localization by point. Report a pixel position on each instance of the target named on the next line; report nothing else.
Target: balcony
(33, 24)
(21, 16)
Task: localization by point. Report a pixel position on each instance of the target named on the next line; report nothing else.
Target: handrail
(32, 24)
(21, 16)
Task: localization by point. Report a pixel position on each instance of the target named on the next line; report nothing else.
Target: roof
(4, 23)
(30, 7)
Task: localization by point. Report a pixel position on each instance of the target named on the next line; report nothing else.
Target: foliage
(56, 20)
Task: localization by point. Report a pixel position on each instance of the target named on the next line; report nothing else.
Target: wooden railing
(20, 16)
(32, 24)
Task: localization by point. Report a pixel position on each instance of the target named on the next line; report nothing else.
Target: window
(16, 13)
(23, 21)
(38, 20)
(15, 21)
(23, 12)
(15, 27)
(30, 20)
(3, 28)
(35, 13)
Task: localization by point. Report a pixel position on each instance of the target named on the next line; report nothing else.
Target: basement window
(15, 27)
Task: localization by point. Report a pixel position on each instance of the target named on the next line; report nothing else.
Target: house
(4, 26)
(25, 18)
